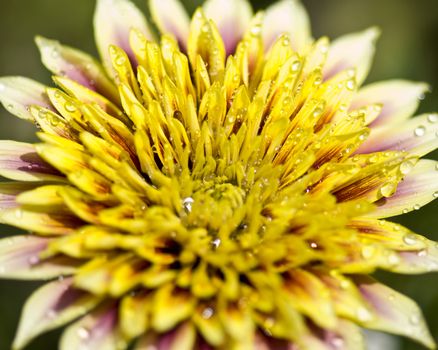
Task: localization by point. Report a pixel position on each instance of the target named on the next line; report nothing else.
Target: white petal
(19, 259)
(399, 99)
(418, 188)
(232, 18)
(113, 21)
(171, 18)
(354, 50)
(52, 306)
(417, 135)
(290, 17)
(76, 65)
(17, 94)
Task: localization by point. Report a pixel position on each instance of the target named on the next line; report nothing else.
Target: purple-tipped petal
(17, 94)
(171, 18)
(20, 259)
(96, 330)
(394, 312)
(52, 306)
(419, 187)
(181, 338)
(399, 100)
(76, 65)
(287, 17)
(9, 192)
(355, 51)
(232, 18)
(417, 135)
(113, 21)
(19, 161)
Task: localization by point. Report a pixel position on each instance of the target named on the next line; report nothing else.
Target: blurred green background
(407, 49)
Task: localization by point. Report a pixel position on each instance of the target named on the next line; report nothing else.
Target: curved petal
(232, 18)
(171, 18)
(416, 135)
(76, 65)
(9, 191)
(181, 338)
(287, 17)
(113, 21)
(17, 94)
(52, 306)
(394, 312)
(352, 51)
(399, 100)
(97, 330)
(20, 259)
(419, 187)
(19, 161)
(418, 261)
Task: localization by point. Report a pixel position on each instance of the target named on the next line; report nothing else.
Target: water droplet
(351, 84)
(405, 210)
(256, 30)
(393, 259)
(33, 260)
(296, 65)
(205, 28)
(83, 333)
(236, 78)
(70, 107)
(388, 189)
(18, 213)
(421, 96)
(313, 245)
(317, 112)
(363, 314)
(207, 313)
(422, 253)
(51, 314)
(406, 167)
(432, 118)
(55, 53)
(419, 131)
(417, 206)
(368, 252)
(337, 342)
(216, 243)
(120, 60)
(42, 114)
(414, 319)
(410, 239)
(435, 194)
(317, 81)
(187, 204)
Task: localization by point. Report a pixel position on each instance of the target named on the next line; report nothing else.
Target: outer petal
(232, 18)
(19, 259)
(352, 51)
(17, 94)
(394, 312)
(98, 330)
(113, 21)
(290, 17)
(77, 66)
(399, 100)
(9, 192)
(171, 18)
(19, 161)
(52, 306)
(418, 188)
(416, 135)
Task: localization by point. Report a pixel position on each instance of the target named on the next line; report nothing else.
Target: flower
(221, 186)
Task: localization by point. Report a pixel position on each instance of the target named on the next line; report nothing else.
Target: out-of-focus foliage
(407, 49)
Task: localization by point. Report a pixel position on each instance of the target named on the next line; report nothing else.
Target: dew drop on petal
(417, 207)
(368, 252)
(216, 243)
(432, 118)
(207, 313)
(419, 131)
(313, 245)
(120, 60)
(18, 213)
(187, 204)
(406, 167)
(337, 342)
(256, 30)
(414, 319)
(435, 194)
(83, 333)
(33, 260)
(296, 65)
(351, 84)
(363, 314)
(410, 239)
(388, 189)
(69, 107)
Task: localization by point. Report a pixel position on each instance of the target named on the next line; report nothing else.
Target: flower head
(222, 185)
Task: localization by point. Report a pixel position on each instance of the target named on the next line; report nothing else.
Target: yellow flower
(220, 186)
